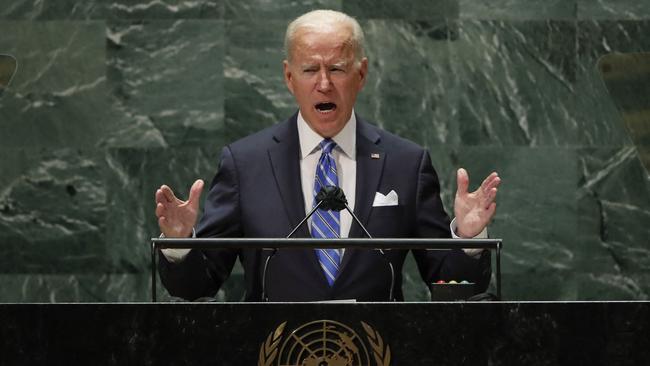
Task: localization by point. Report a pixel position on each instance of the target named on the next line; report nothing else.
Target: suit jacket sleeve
(433, 222)
(202, 272)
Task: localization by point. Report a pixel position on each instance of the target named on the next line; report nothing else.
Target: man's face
(324, 78)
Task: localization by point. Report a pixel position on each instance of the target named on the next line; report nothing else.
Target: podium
(394, 334)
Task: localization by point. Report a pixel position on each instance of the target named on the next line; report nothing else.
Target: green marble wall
(113, 98)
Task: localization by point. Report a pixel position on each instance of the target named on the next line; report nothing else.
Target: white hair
(319, 19)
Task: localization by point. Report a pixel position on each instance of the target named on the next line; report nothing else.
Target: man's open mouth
(325, 107)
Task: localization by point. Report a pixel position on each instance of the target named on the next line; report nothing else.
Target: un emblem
(324, 343)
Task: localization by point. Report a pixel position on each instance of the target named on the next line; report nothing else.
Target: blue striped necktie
(325, 223)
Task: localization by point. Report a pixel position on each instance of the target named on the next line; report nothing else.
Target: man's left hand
(474, 210)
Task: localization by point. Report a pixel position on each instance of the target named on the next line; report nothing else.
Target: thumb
(195, 193)
(462, 180)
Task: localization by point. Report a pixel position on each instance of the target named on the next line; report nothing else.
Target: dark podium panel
(598, 333)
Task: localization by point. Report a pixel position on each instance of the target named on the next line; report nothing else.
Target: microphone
(331, 198)
(8, 66)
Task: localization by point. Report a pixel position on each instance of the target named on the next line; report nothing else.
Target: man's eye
(309, 70)
(337, 69)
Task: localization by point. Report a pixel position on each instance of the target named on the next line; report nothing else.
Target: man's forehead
(332, 59)
(330, 37)
(327, 29)
(317, 48)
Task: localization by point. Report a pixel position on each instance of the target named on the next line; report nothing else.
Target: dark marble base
(599, 333)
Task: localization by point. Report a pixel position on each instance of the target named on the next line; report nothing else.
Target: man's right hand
(176, 218)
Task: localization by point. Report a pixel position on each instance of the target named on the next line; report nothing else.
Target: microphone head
(333, 198)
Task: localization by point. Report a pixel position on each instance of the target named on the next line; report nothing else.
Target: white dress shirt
(345, 155)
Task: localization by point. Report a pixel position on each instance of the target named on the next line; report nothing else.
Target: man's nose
(324, 83)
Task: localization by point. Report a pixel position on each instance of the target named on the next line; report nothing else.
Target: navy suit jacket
(257, 193)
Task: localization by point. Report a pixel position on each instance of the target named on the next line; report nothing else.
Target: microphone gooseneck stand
(274, 250)
(330, 198)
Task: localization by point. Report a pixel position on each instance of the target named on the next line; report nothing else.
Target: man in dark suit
(266, 183)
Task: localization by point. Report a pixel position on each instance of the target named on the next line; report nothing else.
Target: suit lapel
(370, 166)
(369, 172)
(285, 163)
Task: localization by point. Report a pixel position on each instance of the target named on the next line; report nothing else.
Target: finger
(490, 197)
(490, 186)
(162, 225)
(160, 197)
(195, 193)
(489, 180)
(168, 193)
(495, 182)
(462, 181)
(160, 210)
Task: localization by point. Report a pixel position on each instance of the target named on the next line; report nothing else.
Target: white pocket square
(388, 200)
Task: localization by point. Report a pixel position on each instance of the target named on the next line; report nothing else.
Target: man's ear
(363, 72)
(288, 77)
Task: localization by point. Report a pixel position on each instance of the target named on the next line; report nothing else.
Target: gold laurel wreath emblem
(269, 349)
(381, 354)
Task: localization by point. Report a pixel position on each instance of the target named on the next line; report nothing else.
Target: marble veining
(114, 98)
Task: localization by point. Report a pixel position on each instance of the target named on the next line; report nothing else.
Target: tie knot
(327, 146)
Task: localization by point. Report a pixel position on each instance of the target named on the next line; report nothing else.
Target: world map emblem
(324, 343)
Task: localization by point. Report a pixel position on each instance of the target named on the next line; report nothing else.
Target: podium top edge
(375, 243)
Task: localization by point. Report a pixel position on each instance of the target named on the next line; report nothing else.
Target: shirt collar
(345, 139)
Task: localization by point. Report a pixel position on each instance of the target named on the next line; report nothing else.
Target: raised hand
(474, 210)
(176, 218)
